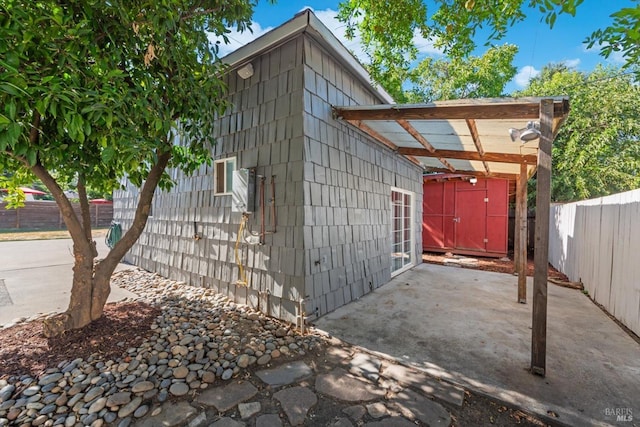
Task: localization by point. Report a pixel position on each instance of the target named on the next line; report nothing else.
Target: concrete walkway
(36, 276)
(465, 326)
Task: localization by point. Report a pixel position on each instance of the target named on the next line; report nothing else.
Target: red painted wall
(463, 218)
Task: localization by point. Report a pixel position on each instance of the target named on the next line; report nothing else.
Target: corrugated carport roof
(463, 136)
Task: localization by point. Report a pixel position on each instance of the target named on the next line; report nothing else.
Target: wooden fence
(45, 215)
(597, 242)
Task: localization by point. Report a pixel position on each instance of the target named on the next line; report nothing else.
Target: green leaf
(98, 106)
(14, 130)
(10, 109)
(13, 90)
(108, 154)
(32, 155)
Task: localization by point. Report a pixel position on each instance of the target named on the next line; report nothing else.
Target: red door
(497, 215)
(438, 210)
(470, 219)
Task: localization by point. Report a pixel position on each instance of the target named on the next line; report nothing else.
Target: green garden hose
(113, 234)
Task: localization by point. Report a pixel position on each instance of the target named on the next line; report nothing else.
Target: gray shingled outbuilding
(333, 187)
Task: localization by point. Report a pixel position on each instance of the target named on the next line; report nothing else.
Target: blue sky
(538, 45)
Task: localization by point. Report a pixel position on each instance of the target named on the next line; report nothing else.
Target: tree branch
(85, 212)
(196, 13)
(34, 133)
(68, 214)
(140, 218)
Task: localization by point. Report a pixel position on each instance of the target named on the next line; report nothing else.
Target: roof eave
(305, 21)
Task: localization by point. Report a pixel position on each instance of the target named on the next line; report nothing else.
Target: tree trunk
(79, 313)
(92, 283)
(85, 211)
(101, 291)
(89, 294)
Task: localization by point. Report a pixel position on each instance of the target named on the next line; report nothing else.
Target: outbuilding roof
(305, 22)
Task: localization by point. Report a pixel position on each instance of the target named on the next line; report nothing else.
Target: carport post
(541, 251)
(520, 235)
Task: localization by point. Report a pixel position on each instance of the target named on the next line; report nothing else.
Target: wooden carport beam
(422, 140)
(503, 175)
(372, 133)
(541, 251)
(471, 124)
(528, 159)
(524, 110)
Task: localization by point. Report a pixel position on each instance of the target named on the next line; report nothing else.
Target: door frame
(411, 230)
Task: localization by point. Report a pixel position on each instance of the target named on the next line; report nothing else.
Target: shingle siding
(347, 181)
(332, 194)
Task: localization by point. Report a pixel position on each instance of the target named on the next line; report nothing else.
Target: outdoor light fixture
(473, 180)
(529, 133)
(246, 71)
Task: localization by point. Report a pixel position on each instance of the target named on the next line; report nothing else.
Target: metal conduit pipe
(262, 208)
(273, 204)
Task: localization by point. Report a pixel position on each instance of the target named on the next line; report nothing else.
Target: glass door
(401, 231)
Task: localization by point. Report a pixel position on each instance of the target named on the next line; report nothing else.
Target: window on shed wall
(223, 175)
(402, 235)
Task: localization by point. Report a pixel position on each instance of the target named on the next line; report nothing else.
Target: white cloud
(572, 63)
(616, 57)
(425, 46)
(238, 39)
(525, 74)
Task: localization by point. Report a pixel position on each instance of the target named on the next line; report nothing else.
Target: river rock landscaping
(197, 337)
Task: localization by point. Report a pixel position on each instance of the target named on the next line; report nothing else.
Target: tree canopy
(94, 88)
(471, 77)
(597, 151)
(388, 28)
(93, 91)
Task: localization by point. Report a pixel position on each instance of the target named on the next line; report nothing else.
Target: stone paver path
(333, 397)
(285, 374)
(296, 402)
(225, 398)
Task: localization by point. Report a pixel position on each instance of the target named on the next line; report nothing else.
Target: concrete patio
(466, 327)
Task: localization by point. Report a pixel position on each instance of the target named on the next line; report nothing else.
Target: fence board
(44, 214)
(597, 242)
